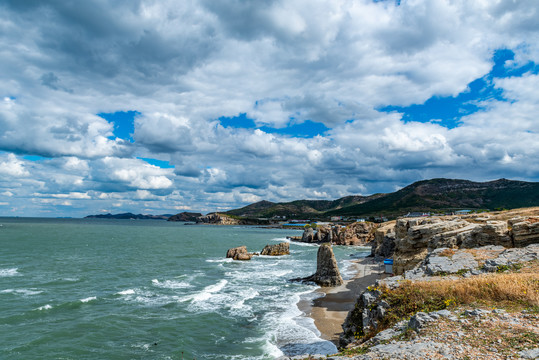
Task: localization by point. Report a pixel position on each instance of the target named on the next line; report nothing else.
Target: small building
(336, 218)
(360, 220)
(462, 212)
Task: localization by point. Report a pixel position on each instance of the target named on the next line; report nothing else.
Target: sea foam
(88, 299)
(9, 272)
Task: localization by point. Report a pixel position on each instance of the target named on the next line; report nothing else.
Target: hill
(128, 216)
(428, 195)
(298, 208)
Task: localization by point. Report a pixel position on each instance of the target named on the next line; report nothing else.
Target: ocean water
(149, 289)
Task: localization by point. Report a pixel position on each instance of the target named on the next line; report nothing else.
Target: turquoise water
(147, 289)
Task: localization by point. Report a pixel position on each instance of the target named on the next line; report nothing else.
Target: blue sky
(160, 108)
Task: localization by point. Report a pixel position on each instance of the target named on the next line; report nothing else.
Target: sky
(165, 106)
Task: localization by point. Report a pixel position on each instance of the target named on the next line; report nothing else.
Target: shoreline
(330, 309)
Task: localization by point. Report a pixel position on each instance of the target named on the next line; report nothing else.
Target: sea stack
(327, 272)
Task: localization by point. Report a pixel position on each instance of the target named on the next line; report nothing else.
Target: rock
(277, 249)
(358, 233)
(529, 354)
(384, 241)
(327, 272)
(476, 312)
(217, 219)
(525, 232)
(436, 263)
(308, 235)
(243, 256)
(239, 253)
(419, 320)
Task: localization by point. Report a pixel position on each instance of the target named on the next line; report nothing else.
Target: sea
(151, 289)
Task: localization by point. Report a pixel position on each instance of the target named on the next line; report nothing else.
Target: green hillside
(426, 195)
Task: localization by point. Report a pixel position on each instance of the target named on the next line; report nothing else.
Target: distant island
(128, 216)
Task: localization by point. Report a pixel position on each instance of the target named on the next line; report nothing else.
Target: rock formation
(277, 249)
(416, 238)
(217, 219)
(383, 245)
(359, 233)
(327, 272)
(239, 253)
(443, 263)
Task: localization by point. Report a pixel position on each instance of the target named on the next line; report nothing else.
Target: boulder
(358, 233)
(277, 249)
(383, 245)
(308, 235)
(239, 253)
(525, 231)
(327, 272)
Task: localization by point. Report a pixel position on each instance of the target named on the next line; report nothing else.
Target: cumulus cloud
(182, 67)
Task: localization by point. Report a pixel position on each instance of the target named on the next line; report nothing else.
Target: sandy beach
(330, 310)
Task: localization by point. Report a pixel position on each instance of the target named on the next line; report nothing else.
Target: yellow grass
(522, 288)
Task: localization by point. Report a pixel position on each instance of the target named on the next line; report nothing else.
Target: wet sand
(330, 310)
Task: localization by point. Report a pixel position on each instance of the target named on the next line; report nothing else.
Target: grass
(510, 290)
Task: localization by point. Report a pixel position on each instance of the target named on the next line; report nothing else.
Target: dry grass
(521, 288)
(482, 255)
(510, 290)
(447, 252)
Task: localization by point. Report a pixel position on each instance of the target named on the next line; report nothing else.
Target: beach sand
(330, 310)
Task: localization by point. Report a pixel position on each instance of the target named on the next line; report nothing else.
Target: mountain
(426, 195)
(449, 194)
(298, 208)
(127, 216)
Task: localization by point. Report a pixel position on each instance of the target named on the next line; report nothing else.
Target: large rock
(383, 245)
(277, 249)
(327, 272)
(239, 253)
(525, 231)
(217, 219)
(358, 233)
(308, 235)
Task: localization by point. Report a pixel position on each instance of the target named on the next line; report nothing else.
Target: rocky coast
(464, 287)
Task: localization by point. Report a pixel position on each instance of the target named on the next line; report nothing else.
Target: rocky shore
(465, 287)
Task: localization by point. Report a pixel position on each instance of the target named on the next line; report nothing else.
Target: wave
(88, 299)
(209, 290)
(9, 272)
(44, 307)
(171, 284)
(24, 292)
(126, 292)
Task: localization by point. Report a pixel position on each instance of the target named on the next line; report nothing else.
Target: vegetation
(436, 195)
(509, 290)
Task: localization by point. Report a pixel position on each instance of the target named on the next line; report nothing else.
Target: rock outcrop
(525, 231)
(277, 249)
(327, 272)
(416, 238)
(383, 245)
(359, 233)
(217, 219)
(239, 253)
(443, 263)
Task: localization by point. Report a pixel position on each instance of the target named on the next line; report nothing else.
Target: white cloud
(182, 66)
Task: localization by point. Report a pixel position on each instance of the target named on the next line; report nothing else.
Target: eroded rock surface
(327, 271)
(277, 249)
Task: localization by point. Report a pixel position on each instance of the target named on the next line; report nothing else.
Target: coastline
(330, 309)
